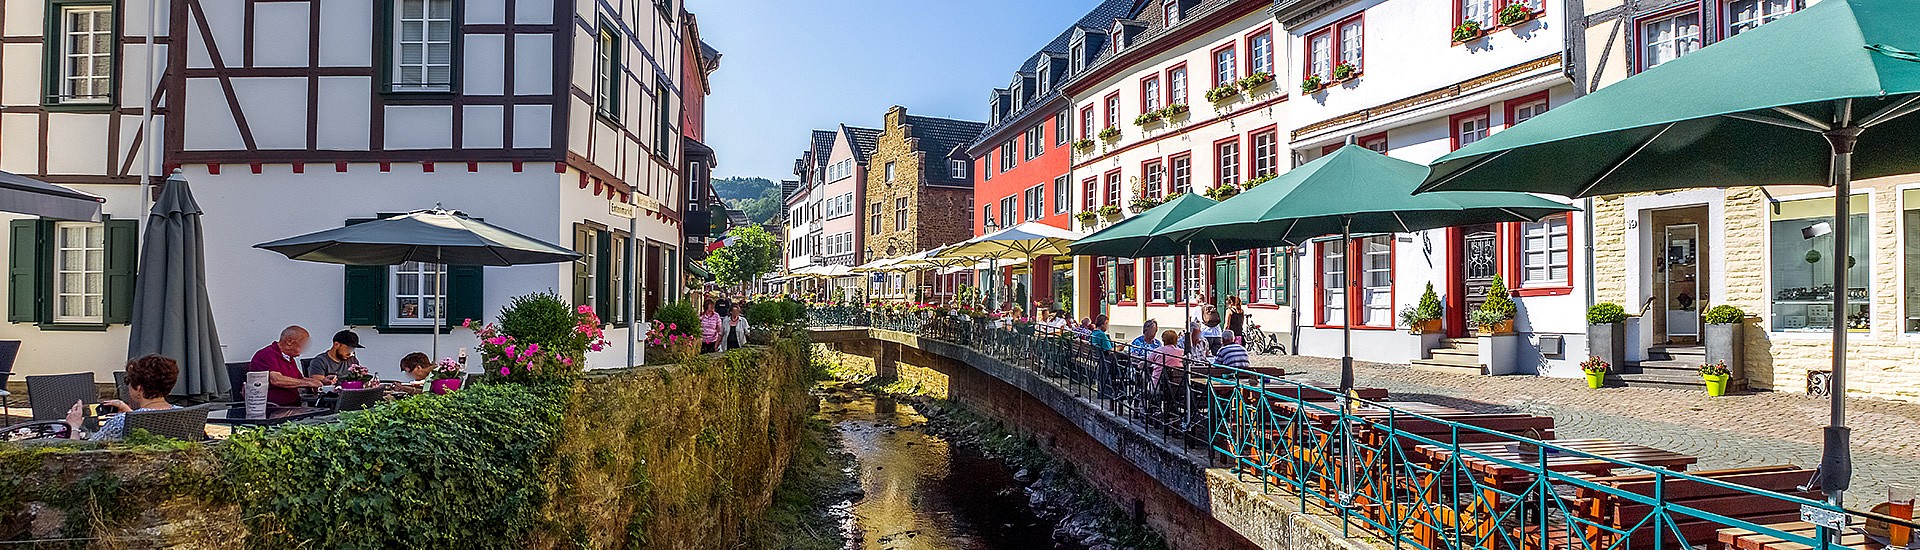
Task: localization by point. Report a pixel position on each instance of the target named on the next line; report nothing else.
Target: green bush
(1606, 313)
(1724, 315)
(681, 317)
(463, 470)
(1498, 302)
(1429, 304)
(795, 310)
(539, 318)
(767, 314)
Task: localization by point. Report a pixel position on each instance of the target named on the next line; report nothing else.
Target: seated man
(1231, 353)
(149, 380)
(284, 379)
(335, 361)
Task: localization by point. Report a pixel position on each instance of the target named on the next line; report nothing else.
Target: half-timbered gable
(73, 88)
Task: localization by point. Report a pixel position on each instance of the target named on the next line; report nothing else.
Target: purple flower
(503, 371)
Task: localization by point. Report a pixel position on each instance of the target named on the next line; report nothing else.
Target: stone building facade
(919, 193)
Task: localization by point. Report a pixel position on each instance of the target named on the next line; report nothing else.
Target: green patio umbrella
(1144, 235)
(1351, 190)
(1822, 95)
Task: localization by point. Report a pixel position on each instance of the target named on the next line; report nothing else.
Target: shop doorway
(1679, 274)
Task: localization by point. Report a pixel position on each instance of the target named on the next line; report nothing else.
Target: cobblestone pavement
(1731, 431)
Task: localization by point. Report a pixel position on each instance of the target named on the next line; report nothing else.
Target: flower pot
(353, 385)
(1596, 379)
(444, 386)
(1502, 327)
(1608, 342)
(1726, 342)
(1716, 384)
(1429, 326)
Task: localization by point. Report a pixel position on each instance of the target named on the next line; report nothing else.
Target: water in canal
(921, 492)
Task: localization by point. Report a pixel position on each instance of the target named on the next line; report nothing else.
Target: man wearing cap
(336, 359)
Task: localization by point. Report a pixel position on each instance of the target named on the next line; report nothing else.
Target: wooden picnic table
(1492, 464)
(1284, 390)
(1745, 539)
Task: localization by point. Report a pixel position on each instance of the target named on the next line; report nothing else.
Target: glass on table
(1900, 502)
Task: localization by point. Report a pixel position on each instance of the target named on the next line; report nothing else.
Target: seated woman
(149, 379)
(417, 366)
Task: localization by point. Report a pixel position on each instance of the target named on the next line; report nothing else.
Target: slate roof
(822, 147)
(863, 141)
(1099, 18)
(1156, 21)
(938, 139)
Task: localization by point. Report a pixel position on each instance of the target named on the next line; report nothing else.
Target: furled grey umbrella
(23, 195)
(171, 316)
(437, 236)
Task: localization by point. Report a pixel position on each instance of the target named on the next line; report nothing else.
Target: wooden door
(1479, 264)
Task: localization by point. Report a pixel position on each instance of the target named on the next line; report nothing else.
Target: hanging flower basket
(1083, 144)
(1149, 117)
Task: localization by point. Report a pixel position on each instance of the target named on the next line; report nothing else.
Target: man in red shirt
(284, 378)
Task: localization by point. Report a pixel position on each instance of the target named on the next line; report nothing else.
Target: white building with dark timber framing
(553, 118)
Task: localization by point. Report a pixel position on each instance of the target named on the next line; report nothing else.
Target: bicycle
(1262, 342)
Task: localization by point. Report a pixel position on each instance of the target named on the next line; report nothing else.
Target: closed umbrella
(171, 316)
(1823, 95)
(436, 236)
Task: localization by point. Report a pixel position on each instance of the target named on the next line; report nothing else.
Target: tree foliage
(754, 252)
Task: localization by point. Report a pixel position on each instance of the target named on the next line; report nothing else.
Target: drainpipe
(1586, 207)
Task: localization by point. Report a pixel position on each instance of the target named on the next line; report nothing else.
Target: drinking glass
(1900, 497)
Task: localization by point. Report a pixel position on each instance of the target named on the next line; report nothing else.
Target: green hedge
(459, 470)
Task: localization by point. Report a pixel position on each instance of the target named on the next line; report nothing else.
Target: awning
(697, 270)
(23, 195)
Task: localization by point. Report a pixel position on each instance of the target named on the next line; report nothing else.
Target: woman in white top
(733, 329)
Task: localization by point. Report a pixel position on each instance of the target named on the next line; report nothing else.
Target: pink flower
(566, 361)
(497, 340)
(510, 349)
(503, 371)
(584, 310)
(533, 348)
(674, 326)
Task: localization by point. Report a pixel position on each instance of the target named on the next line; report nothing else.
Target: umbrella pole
(439, 300)
(1836, 462)
(1346, 362)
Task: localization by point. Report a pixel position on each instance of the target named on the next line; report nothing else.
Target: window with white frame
(1228, 154)
(85, 49)
(986, 215)
(1320, 54)
(1668, 37)
(1009, 208)
(1153, 180)
(1352, 43)
(1036, 141)
(1192, 280)
(417, 297)
(1270, 276)
(1177, 85)
(1036, 202)
(958, 168)
(423, 37)
(1089, 193)
(1469, 129)
(1113, 110)
(1062, 195)
(1086, 123)
(1333, 282)
(889, 170)
(1546, 253)
(1528, 109)
(1173, 12)
(1225, 70)
(1260, 52)
(80, 277)
(1149, 94)
(1744, 15)
(1060, 129)
(1376, 281)
(1113, 187)
(1006, 156)
(1478, 11)
(606, 72)
(1160, 275)
(1180, 173)
(1266, 153)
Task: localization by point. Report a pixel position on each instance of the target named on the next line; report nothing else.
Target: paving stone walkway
(1736, 430)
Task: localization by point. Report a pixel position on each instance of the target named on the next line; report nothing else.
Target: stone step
(1469, 356)
(1470, 344)
(1434, 365)
(1695, 354)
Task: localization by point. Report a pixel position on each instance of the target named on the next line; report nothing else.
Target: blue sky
(795, 65)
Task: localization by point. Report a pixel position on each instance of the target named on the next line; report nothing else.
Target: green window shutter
(603, 279)
(24, 271)
(466, 288)
(582, 244)
(365, 293)
(123, 253)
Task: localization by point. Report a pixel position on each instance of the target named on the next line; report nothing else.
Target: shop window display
(1802, 262)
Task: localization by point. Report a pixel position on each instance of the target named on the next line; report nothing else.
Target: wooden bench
(1612, 510)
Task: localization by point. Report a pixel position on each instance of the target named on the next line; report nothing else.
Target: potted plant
(1311, 84)
(1222, 93)
(1109, 210)
(1425, 317)
(446, 376)
(1467, 31)
(1143, 204)
(1515, 14)
(1083, 144)
(1173, 110)
(541, 337)
(1148, 117)
(1724, 335)
(1087, 216)
(1255, 182)
(1344, 71)
(1607, 332)
(1255, 80)
(1596, 370)
(355, 378)
(1495, 315)
(1223, 191)
(1716, 374)
(1110, 133)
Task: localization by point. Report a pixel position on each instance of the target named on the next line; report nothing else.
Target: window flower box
(1312, 84)
(1083, 144)
(1255, 182)
(1515, 14)
(1467, 31)
(1109, 210)
(1223, 191)
(1173, 110)
(1255, 81)
(1110, 133)
(1344, 72)
(1149, 117)
(1222, 94)
(1087, 216)
(1143, 204)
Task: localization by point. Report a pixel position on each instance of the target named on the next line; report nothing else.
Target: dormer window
(1079, 53)
(993, 108)
(1045, 67)
(1173, 12)
(1117, 35)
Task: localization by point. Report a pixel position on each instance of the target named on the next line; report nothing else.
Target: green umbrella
(1144, 235)
(1788, 103)
(1351, 190)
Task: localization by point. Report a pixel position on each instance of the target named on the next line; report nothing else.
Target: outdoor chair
(9, 350)
(53, 395)
(120, 387)
(237, 378)
(353, 400)
(184, 423)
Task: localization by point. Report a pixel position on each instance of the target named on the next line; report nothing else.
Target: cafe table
(237, 415)
(1745, 539)
(1503, 467)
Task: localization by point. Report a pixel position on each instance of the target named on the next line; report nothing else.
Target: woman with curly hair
(149, 380)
